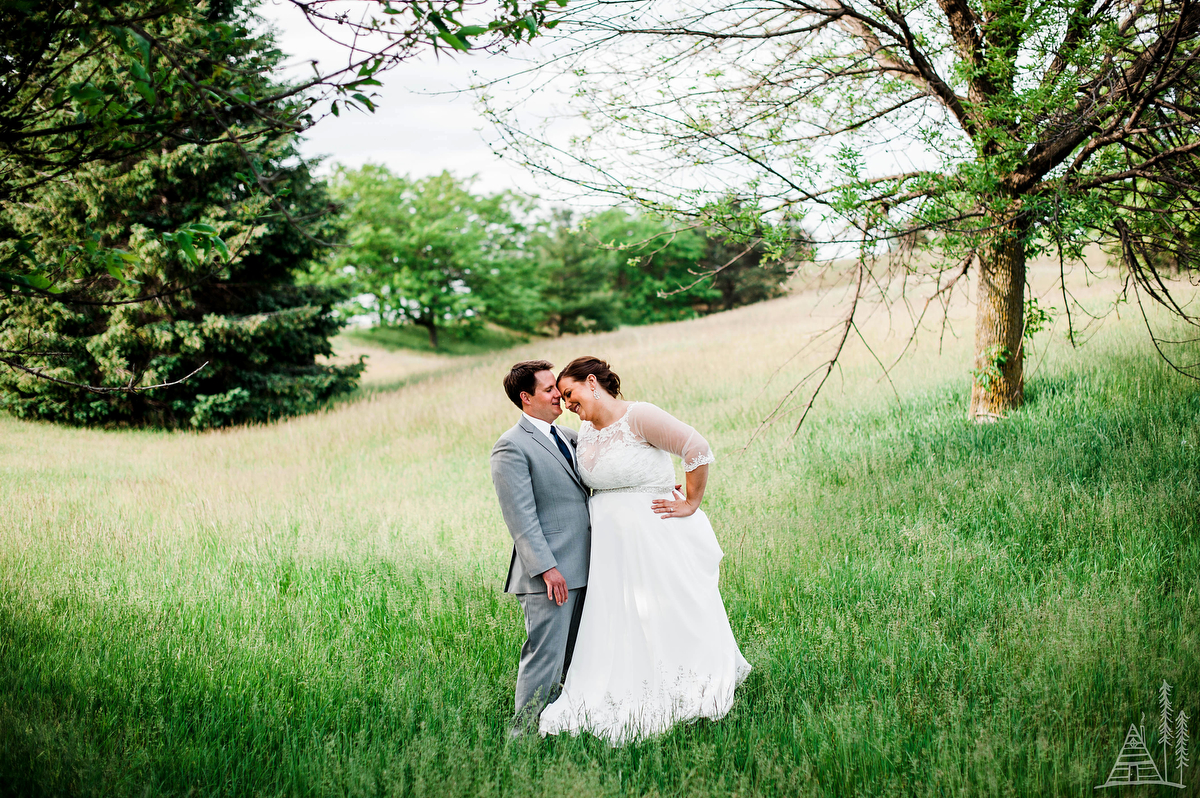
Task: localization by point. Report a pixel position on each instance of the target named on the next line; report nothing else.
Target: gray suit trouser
(549, 642)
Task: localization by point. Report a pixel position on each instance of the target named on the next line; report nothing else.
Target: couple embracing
(615, 569)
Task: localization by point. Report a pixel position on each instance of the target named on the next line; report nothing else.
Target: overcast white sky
(421, 126)
(427, 120)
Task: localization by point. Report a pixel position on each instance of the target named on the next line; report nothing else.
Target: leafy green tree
(616, 268)
(430, 253)
(743, 274)
(511, 291)
(577, 278)
(245, 333)
(86, 84)
(182, 272)
(752, 263)
(650, 260)
(997, 129)
(662, 272)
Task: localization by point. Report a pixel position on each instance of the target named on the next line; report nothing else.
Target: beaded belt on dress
(636, 489)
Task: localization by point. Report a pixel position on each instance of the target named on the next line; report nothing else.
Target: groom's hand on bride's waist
(556, 586)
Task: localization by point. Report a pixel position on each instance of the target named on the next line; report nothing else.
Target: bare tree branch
(98, 389)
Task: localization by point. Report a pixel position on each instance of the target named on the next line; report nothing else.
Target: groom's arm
(514, 488)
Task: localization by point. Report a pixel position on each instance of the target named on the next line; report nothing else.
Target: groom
(544, 504)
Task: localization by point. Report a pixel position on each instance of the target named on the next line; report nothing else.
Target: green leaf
(436, 19)
(203, 228)
(334, 109)
(184, 240)
(472, 30)
(85, 92)
(146, 92)
(139, 72)
(143, 47)
(453, 41)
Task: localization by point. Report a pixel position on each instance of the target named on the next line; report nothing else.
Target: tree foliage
(992, 130)
(89, 84)
(432, 253)
(429, 252)
(622, 267)
(577, 278)
(199, 284)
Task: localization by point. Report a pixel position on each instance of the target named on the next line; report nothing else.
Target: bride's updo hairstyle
(579, 369)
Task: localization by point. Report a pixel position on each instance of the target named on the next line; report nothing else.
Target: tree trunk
(431, 325)
(999, 374)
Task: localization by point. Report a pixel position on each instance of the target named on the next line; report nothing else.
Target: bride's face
(577, 396)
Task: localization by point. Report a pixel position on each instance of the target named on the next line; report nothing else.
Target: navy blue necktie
(562, 446)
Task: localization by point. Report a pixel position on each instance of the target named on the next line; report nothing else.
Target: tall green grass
(314, 608)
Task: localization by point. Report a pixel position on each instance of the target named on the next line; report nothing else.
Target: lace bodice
(636, 450)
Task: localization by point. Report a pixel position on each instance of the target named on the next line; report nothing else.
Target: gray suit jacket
(544, 504)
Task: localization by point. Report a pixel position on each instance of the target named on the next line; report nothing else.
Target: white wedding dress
(654, 646)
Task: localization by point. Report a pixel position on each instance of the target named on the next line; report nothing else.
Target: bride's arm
(663, 431)
(697, 478)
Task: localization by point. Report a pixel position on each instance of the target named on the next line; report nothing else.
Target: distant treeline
(197, 252)
(252, 328)
(432, 253)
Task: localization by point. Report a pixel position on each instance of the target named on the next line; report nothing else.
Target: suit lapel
(549, 446)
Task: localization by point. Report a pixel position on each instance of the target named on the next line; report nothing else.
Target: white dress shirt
(544, 426)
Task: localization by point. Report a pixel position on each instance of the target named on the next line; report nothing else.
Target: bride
(654, 645)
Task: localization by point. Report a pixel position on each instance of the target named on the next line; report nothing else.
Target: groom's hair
(522, 377)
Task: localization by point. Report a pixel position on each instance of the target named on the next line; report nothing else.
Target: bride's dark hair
(579, 369)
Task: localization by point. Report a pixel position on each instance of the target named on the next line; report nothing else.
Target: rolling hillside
(314, 606)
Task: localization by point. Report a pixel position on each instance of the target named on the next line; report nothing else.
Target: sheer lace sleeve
(662, 430)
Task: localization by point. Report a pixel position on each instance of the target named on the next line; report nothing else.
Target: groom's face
(544, 402)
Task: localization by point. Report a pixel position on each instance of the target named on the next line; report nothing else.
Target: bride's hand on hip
(673, 507)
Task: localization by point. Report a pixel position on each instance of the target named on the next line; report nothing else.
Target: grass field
(314, 608)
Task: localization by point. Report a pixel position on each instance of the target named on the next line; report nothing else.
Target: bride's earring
(595, 394)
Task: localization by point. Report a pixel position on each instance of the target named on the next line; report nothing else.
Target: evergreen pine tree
(254, 335)
(1181, 744)
(1164, 724)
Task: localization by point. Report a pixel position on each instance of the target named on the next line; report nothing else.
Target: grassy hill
(488, 338)
(313, 607)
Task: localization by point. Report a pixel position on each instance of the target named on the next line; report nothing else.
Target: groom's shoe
(521, 726)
